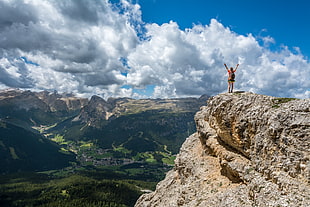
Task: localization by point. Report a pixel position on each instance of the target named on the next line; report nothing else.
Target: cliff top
(249, 150)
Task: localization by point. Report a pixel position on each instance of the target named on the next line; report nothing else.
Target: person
(231, 77)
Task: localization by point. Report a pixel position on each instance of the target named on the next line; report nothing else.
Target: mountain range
(48, 124)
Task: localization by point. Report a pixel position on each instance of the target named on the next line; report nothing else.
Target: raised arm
(236, 66)
(226, 66)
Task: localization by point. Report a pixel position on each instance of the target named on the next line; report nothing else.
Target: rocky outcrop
(62, 102)
(249, 150)
(96, 111)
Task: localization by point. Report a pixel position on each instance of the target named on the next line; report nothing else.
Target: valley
(119, 142)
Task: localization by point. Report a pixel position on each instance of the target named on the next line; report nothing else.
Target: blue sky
(286, 21)
(155, 48)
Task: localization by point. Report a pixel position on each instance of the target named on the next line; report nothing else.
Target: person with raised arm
(231, 77)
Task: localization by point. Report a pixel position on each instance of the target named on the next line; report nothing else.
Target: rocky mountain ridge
(90, 111)
(249, 150)
(47, 101)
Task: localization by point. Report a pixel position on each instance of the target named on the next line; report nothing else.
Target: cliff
(249, 150)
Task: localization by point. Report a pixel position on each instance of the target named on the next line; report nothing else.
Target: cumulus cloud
(190, 62)
(76, 45)
(96, 47)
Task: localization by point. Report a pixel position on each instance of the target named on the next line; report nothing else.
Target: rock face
(95, 111)
(249, 150)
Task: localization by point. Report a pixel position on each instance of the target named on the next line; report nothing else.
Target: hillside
(23, 150)
(249, 150)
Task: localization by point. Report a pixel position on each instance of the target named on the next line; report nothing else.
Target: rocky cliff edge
(249, 150)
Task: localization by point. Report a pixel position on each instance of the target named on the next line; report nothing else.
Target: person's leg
(228, 87)
(232, 86)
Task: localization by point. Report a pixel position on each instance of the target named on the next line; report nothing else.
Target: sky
(155, 48)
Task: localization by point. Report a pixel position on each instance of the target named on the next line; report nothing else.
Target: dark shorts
(231, 81)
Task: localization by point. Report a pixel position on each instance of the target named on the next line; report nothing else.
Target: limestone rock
(249, 150)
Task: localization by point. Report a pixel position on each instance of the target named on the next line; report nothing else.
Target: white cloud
(94, 47)
(191, 63)
(77, 44)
